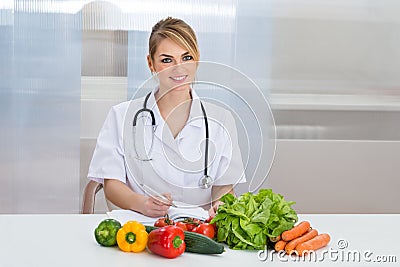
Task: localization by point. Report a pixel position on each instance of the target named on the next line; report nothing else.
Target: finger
(158, 201)
(167, 202)
(157, 213)
(216, 205)
(168, 196)
(159, 206)
(211, 212)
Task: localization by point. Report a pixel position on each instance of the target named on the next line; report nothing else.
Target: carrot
(275, 238)
(280, 245)
(296, 231)
(313, 244)
(307, 236)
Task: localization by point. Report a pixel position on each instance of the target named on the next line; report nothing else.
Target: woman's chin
(178, 87)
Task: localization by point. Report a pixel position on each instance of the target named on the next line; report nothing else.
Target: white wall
(325, 176)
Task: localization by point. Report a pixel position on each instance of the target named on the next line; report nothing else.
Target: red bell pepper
(167, 241)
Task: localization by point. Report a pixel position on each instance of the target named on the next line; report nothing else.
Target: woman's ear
(150, 63)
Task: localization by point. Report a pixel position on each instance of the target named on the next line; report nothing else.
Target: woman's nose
(178, 65)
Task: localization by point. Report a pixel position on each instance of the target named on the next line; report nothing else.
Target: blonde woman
(195, 157)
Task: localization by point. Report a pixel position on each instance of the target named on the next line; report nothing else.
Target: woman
(180, 116)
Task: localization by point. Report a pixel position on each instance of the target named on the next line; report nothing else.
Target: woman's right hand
(123, 197)
(156, 207)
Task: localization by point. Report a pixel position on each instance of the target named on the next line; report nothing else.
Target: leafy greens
(248, 221)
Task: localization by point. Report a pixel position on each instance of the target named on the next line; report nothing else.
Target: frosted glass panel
(40, 107)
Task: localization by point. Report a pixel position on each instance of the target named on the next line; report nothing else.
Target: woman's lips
(179, 78)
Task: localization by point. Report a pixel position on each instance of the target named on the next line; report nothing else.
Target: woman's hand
(213, 210)
(217, 192)
(156, 207)
(125, 198)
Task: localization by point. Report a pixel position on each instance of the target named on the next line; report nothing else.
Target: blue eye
(186, 58)
(166, 60)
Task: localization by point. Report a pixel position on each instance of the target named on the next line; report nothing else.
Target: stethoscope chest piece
(205, 182)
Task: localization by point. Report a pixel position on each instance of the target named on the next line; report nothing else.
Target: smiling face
(174, 65)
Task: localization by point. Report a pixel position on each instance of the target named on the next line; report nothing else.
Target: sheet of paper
(174, 213)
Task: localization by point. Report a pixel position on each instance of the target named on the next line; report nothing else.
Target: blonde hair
(177, 31)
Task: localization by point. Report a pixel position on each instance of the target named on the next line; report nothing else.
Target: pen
(153, 193)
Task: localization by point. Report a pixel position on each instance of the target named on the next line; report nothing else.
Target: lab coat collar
(195, 116)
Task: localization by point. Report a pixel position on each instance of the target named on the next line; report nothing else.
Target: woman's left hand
(213, 210)
(217, 192)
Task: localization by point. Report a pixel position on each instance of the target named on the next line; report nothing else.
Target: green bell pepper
(106, 232)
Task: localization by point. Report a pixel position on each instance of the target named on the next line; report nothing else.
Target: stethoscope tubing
(205, 181)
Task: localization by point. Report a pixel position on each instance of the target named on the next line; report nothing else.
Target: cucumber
(197, 243)
(202, 244)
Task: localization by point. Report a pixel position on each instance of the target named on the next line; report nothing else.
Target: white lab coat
(177, 164)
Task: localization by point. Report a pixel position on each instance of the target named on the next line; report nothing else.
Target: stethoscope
(205, 181)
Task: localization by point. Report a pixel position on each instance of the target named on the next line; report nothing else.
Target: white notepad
(174, 213)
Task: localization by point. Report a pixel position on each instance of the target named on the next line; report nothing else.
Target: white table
(68, 240)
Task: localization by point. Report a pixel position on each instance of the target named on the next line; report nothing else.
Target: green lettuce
(248, 221)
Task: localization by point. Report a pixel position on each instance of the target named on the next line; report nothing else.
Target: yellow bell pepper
(132, 237)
